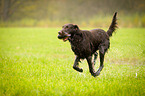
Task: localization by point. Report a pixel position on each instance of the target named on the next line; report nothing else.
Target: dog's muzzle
(63, 35)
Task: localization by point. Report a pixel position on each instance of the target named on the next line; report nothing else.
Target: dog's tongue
(65, 39)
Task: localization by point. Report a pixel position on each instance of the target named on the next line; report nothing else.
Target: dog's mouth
(65, 39)
(63, 35)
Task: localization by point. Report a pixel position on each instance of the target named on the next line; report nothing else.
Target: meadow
(33, 62)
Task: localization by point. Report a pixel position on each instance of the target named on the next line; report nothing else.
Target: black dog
(85, 43)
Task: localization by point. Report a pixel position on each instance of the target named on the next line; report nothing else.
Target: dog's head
(67, 31)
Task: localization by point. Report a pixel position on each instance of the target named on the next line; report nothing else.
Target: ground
(34, 62)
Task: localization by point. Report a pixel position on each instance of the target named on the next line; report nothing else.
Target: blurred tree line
(55, 11)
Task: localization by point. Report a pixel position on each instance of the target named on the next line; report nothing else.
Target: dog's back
(99, 34)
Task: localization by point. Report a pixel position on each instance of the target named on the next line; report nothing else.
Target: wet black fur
(85, 43)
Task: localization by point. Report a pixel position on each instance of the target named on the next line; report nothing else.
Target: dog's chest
(80, 47)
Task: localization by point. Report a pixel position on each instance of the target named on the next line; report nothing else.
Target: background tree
(8, 7)
(69, 10)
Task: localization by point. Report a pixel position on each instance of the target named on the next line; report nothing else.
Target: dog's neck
(76, 39)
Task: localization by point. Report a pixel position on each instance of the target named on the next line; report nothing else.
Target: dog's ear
(78, 32)
(76, 27)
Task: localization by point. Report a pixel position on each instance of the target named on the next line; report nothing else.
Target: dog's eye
(66, 27)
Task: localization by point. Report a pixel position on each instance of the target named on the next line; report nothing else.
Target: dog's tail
(113, 25)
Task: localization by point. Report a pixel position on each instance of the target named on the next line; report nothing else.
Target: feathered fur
(113, 25)
(85, 43)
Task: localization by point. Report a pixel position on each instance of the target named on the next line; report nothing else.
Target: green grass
(34, 62)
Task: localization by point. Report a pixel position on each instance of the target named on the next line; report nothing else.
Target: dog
(85, 44)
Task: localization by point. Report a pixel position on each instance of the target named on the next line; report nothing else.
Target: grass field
(34, 62)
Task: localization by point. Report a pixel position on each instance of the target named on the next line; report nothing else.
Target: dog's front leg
(76, 63)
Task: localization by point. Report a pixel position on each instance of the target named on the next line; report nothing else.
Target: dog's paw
(97, 73)
(78, 69)
(81, 70)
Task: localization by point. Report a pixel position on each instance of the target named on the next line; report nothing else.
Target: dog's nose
(59, 32)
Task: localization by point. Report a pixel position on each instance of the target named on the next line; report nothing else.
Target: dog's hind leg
(102, 51)
(95, 57)
(76, 63)
(101, 63)
(91, 66)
